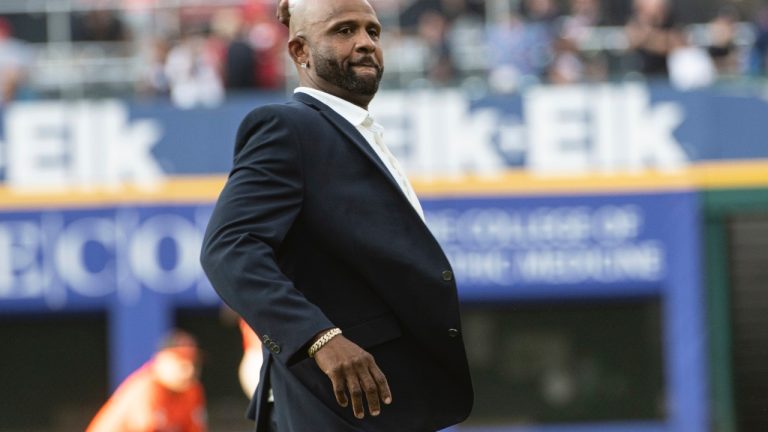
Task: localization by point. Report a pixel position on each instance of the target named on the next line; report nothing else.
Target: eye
(345, 30)
(374, 33)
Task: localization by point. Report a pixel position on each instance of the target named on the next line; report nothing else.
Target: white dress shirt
(373, 133)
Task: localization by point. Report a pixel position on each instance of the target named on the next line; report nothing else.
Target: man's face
(356, 76)
(176, 372)
(345, 51)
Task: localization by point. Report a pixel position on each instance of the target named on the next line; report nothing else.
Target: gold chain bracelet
(324, 339)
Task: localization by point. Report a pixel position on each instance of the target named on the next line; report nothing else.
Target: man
(650, 32)
(319, 243)
(164, 395)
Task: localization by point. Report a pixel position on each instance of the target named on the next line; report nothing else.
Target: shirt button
(453, 333)
(447, 275)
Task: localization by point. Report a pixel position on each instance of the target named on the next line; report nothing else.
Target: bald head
(305, 14)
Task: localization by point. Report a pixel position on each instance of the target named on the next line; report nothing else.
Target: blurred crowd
(198, 55)
(212, 52)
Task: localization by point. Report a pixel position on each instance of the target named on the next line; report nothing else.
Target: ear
(298, 49)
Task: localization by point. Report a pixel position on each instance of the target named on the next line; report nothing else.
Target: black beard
(330, 70)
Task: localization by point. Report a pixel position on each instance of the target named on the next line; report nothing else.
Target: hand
(352, 370)
(283, 13)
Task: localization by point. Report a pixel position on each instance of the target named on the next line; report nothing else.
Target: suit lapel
(360, 142)
(352, 134)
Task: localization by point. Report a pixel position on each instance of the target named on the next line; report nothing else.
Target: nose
(365, 43)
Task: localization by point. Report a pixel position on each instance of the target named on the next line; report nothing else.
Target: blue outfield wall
(140, 264)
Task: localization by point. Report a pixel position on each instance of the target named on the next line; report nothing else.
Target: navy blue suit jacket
(312, 232)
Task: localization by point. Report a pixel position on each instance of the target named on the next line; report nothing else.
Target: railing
(67, 68)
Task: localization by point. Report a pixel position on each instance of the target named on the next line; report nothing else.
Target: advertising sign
(546, 131)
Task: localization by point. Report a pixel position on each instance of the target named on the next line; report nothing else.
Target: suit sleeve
(257, 207)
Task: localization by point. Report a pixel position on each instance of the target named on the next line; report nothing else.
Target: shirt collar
(351, 112)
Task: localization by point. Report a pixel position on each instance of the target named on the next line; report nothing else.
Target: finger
(339, 389)
(370, 389)
(356, 394)
(381, 383)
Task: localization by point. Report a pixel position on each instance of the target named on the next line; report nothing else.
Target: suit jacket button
(453, 333)
(275, 349)
(447, 275)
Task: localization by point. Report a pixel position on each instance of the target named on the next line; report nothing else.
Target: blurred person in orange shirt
(164, 395)
(250, 365)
